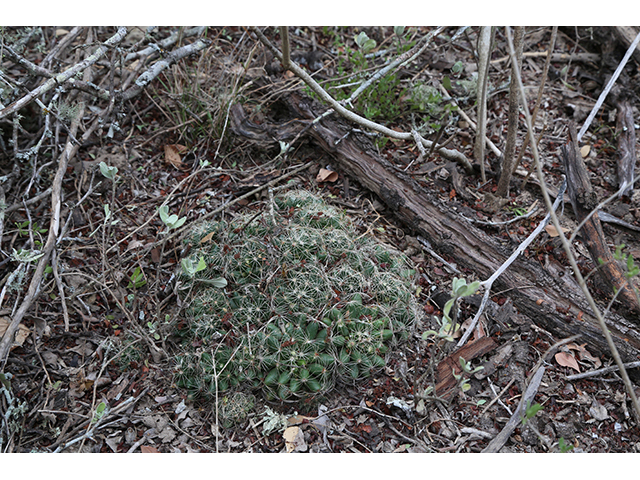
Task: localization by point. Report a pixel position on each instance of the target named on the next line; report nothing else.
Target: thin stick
(484, 52)
(607, 89)
(602, 371)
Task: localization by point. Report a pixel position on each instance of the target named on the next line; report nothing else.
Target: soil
(92, 369)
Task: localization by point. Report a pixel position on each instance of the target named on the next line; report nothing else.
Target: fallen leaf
(21, 335)
(567, 360)
(147, 449)
(134, 244)
(599, 412)
(172, 155)
(294, 440)
(207, 238)
(551, 230)
(325, 175)
(296, 420)
(584, 354)
(584, 151)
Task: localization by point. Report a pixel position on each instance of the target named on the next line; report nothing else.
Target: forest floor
(92, 370)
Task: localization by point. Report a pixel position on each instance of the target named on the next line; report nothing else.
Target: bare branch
(607, 89)
(348, 114)
(64, 76)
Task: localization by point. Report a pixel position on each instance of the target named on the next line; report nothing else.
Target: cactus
(306, 303)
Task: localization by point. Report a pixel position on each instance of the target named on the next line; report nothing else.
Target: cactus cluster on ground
(291, 300)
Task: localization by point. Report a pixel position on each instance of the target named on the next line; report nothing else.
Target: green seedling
(23, 228)
(171, 221)
(137, 280)
(530, 412)
(448, 324)
(564, 446)
(108, 171)
(632, 268)
(188, 267)
(467, 370)
(101, 410)
(365, 44)
(152, 330)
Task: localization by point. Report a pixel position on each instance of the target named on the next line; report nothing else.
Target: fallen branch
(66, 75)
(348, 114)
(517, 252)
(626, 133)
(584, 202)
(498, 442)
(602, 371)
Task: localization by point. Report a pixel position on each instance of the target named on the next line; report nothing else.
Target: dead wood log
(547, 295)
(584, 200)
(445, 381)
(626, 133)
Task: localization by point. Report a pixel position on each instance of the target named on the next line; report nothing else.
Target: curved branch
(349, 115)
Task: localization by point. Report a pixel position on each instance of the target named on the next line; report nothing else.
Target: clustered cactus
(304, 302)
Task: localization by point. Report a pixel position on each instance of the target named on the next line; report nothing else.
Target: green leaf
(630, 262)
(171, 221)
(564, 446)
(189, 269)
(6, 383)
(365, 43)
(108, 171)
(100, 411)
(530, 412)
(446, 83)
(398, 31)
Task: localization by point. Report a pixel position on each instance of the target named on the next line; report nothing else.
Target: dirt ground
(92, 366)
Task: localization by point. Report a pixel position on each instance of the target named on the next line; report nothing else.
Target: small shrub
(307, 302)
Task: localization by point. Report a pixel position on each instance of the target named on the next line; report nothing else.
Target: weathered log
(445, 381)
(584, 200)
(626, 133)
(547, 295)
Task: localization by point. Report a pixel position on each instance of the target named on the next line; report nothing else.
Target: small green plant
(365, 44)
(13, 411)
(171, 221)
(564, 446)
(632, 268)
(448, 324)
(101, 411)
(530, 412)
(235, 407)
(463, 377)
(153, 330)
(290, 304)
(189, 267)
(137, 279)
(108, 171)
